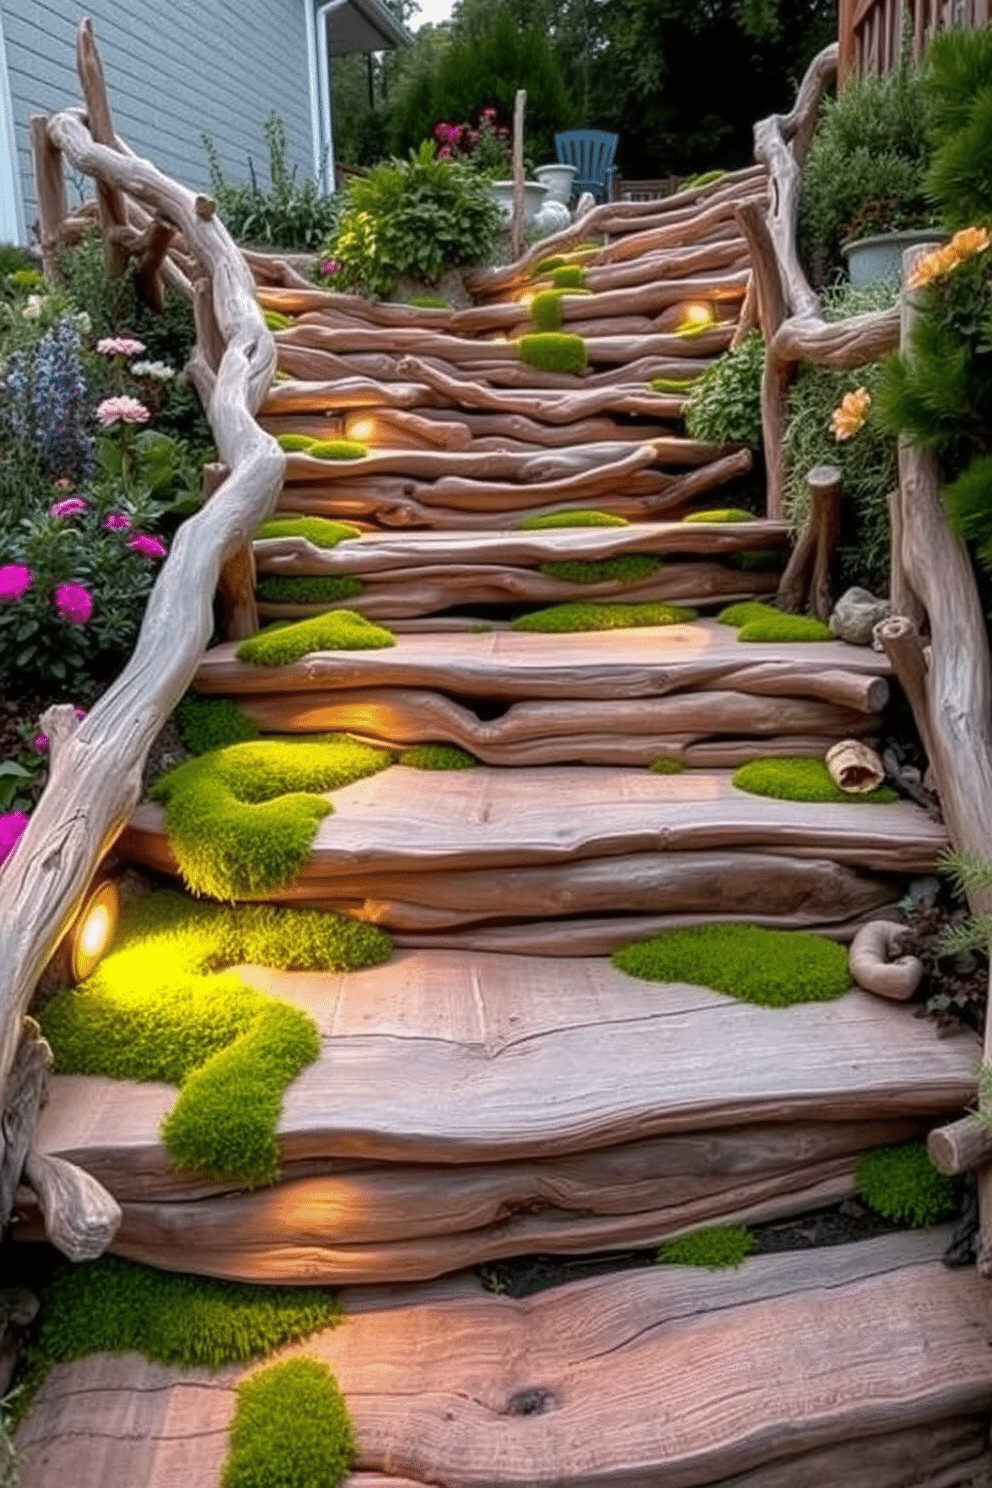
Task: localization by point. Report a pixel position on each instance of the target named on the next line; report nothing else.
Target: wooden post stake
(237, 611)
(517, 220)
(53, 207)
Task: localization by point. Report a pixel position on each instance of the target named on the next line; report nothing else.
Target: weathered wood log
(343, 393)
(854, 767)
(237, 611)
(22, 1098)
(80, 1217)
(49, 185)
(113, 212)
(564, 407)
(878, 965)
(807, 574)
(961, 1146)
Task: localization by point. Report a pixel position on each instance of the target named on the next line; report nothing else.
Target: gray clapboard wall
(175, 70)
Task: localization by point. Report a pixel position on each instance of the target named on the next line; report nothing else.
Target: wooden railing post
(49, 184)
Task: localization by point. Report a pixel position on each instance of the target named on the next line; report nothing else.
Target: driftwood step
(864, 1365)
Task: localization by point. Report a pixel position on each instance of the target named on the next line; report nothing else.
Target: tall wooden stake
(517, 220)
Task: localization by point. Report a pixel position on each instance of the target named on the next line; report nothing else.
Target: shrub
(716, 1249)
(801, 779)
(763, 622)
(576, 617)
(958, 87)
(291, 1429)
(554, 351)
(775, 968)
(626, 568)
(308, 588)
(725, 404)
(319, 531)
(902, 1184)
(341, 630)
(211, 723)
(291, 213)
(572, 519)
(437, 757)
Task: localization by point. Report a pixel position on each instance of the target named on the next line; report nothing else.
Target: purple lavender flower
(47, 402)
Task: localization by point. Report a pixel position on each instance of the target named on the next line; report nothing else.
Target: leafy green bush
(437, 757)
(291, 1429)
(554, 351)
(340, 630)
(319, 531)
(572, 519)
(725, 405)
(625, 568)
(773, 967)
(563, 618)
(958, 83)
(211, 723)
(716, 1249)
(795, 778)
(763, 622)
(902, 1184)
(290, 213)
(308, 588)
(417, 216)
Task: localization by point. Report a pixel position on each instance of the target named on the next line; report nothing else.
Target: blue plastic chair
(591, 151)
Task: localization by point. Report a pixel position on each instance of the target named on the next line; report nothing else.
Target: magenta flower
(126, 346)
(444, 153)
(122, 410)
(80, 713)
(116, 522)
(148, 547)
(330, 267)
(15, 580)
(12, 824)
(73, 506)
(41, 742)
(74, 603)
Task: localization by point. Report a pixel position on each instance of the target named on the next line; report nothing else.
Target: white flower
(84, 323)
(125, 346)
(161, 371)
(32, 310)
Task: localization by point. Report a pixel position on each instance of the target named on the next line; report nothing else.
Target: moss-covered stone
(576, 518)
(716, 1249)
(721, 514)
(211, 723)
(763, 622)
(902, 1184)
(308, 588)
(626, 568)
(320, 531)
(578, 617)
(437, 757)
(340, 630)
(794, 778)
(290, 1429)
(554, 351)
(337, 449)
(773, 967)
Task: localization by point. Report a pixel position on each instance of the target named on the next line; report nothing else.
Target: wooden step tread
(865, 1365)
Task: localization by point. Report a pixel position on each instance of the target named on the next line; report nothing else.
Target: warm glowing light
(527, 298)
(91, 936)
(362, 429)
(696, 317)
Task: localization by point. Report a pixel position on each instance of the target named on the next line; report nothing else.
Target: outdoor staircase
(499, 1088)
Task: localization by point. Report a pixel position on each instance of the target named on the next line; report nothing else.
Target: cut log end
(81, 1217)
(872, 964)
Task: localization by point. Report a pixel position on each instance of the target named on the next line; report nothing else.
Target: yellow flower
(969, 242)
(847, 419)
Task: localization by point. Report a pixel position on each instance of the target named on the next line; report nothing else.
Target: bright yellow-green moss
(573, 519)
(626, 568)
(677, 385)
(429, 302)
(341, 630)
(210, 723)
(308, 588)
(721, 514)
(577, 617)
(763, 622)
(716, 1249)
(794, 778)
(291, 1429)
(704, 179)
(437, 757)
(772, 967)
(667, 767)
(319, 531)
(276, 321)
(337, 449)
(902, 1184)
(554, 351)
(568, 276)
(241, 820)
(545, 310)
(295, 444)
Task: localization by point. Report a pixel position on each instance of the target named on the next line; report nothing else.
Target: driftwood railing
(870, 32)
(95, 777)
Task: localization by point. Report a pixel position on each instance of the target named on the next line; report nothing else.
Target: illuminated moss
(210, 723)
(319, 531)
(429, 302)
(626, 568)
(290, 1429)
(763, 622)
(793, 778)
(667, 767)
(276, 321)
(295, 444)
(716, 1249)
(545, 310)
(438, 757)
(573, 519)
(902, 1184)
(677, 385)
(721, 514)
(773, 967)
(578, 617)
(554, 351)
(340, 630)
(337, 449)
(568, 276)
(308, 588)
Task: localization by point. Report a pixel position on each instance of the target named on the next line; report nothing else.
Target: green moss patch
(162, 1006)
(721, 514)
(291, 1429)
(545, 310)
(676, 385)
(577, 617)
(773, 967)
(763, 622)
(211, 723)
(793, 778)
(276, 321)
(438, 757)
(568, 276)
(241, 820)
(716, 1249)
(341, 630)
(308, 588)
(576, 518)
(554, 351)
(902, 1184)
(320, 531)
(295, 444)
(667, 767)
(429, 302)
(626, 568)
(337, 449)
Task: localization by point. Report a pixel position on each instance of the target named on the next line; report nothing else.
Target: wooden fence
(871, 32)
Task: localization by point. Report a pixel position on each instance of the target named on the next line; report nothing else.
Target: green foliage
(437, 757)
(340, 630)
(721, 514)
(969, 875)
(564, 618)
(418, 216)
(959, 89)
(572, 519)
(337, 449)
(545, 310)
(206, 723)
(902, 1184)
(704, 178)
(680, 386)
(716, 1249)
(725, 405)
(626, 568)
(291, 1429)
(554, 351)
(241, 820)
(429, 302)
(866, 166)
(275, 321)
(775, 968)
(319, 531)
(800, 779)
(308, 588)
(763, 622)
(667, 767)
(290, 213)
(568, 276)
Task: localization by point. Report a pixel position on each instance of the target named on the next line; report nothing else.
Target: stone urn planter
(558, 178)
(534, 194)
(871, 260)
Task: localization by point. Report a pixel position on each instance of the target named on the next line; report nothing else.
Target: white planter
(558, 178)
(871, 260)
(534, 194)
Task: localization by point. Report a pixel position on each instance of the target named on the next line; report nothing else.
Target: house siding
(174, 71)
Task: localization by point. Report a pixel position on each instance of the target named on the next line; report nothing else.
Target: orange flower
(848, 418)
(967, 243)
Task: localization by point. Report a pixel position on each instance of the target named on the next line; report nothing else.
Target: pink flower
(63, 483)
(15, 580)
(124, 346)
(330, 267)
(41, 742)
(74, 603)
(116, 522)
(148, 547)
(488, 113)
(80, 713)
(444, 153)
(72, 506)
(12, 825)
(122, 410)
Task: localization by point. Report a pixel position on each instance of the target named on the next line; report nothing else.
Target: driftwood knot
(530, 1402)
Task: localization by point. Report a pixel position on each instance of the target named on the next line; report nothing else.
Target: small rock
(924, 891)
(856, 614)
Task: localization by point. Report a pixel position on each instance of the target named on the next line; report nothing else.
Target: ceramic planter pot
(558, 178)
(534, 194)
(871, 260)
